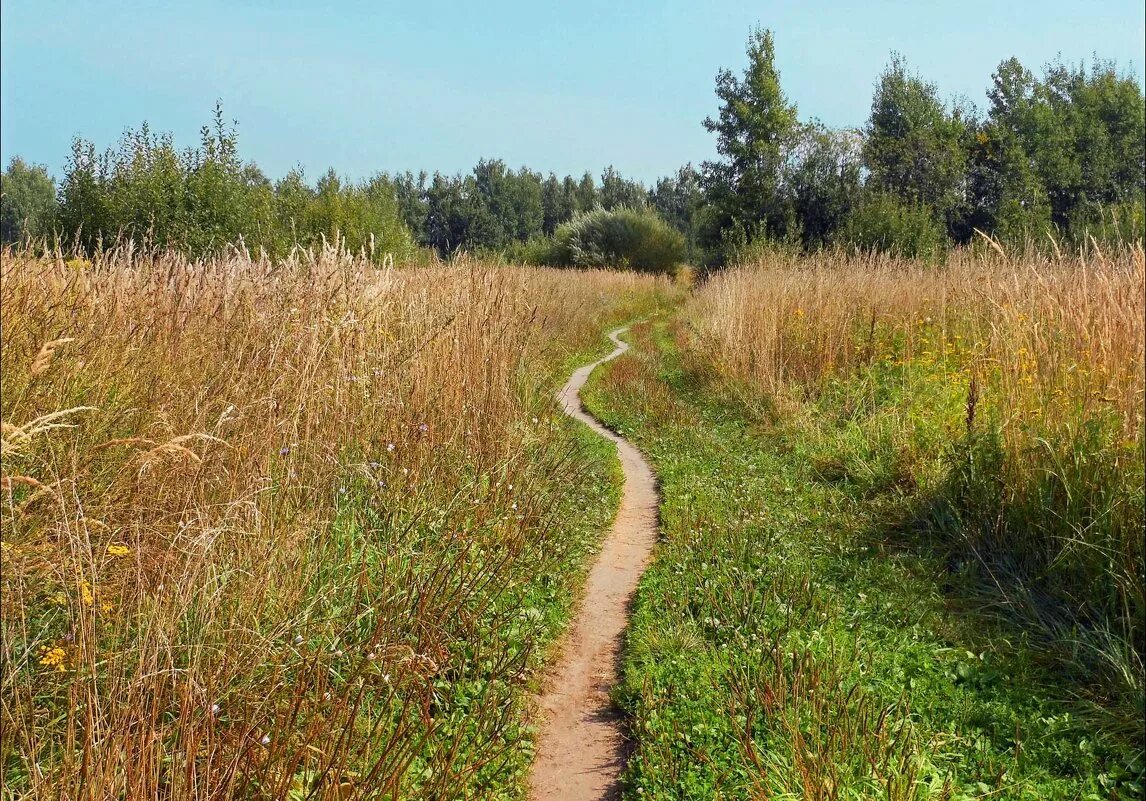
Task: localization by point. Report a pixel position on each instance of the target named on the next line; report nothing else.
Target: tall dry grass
(1045, 328)
(265, 523)
(1033, 370)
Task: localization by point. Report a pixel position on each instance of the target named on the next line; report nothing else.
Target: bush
(538, 250)
(1114, 226)
(635, 239)
(885, 223)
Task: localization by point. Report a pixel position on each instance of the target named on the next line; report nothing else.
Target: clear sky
(434, 84)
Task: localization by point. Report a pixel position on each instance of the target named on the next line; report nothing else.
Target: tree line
(1062, 155)
(1057, 156)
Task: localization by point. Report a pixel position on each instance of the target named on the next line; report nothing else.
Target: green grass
(475, 737)
(504, 612)
(797, 637)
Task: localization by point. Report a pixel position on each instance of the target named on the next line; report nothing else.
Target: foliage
(617, 192)
(756, 130)
(1056, 151)
(201, 200)
(913, 146)
(881, 221)
(634, 239)
(679, 200)
(27, 203)
(495, 209)
(1062, 156)
(825, 184)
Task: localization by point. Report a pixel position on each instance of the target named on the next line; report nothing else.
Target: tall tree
(1060, 151)
(410, 190)
(1007, 190)
(825, 181)
(556, 204)
(447, 214)
(618, 191)
(915, 147)
(678, 200)
(586, 197)
(27, 202)
(756, 130)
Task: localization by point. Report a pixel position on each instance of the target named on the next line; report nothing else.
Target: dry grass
(259, 517)
(1031, 370)
(1050, 331)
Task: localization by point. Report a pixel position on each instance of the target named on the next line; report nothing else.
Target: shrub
(538, 250)
(634, 239)
(885, 223)
(1114, 226)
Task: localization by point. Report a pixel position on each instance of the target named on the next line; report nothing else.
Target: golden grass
(1047, 333)
(1017, 387)
(189, 608)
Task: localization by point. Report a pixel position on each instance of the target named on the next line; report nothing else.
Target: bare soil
(581, 747)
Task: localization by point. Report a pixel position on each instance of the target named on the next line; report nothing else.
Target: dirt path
(580, 749)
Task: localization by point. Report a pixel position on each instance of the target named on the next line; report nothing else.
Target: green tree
(224, 200)
(679, 200)
(1065, 152)
(83, 213)
(1104, 117)
(915, 148)
(585, 197)
(825, 182)
(557, 199)
(504, 206)
(618, 191)
(1006, 185)
(27, 202)
(293, 197)
(756, 130)
(447, 214)
(410, 191)
(204, 199)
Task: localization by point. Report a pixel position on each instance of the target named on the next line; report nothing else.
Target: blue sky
(430, 84)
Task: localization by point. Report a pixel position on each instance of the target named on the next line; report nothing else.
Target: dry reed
(258, 515)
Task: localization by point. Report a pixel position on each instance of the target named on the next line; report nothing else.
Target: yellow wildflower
(55, 657)
(117, 549)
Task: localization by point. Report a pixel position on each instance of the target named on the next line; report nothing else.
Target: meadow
(902, 524)
(289, 529)
(311, 528)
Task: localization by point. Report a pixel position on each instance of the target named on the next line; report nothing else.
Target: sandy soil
(581, 750)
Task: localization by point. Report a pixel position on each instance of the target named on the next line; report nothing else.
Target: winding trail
(580, 749)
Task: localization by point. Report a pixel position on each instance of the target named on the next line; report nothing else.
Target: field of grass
(289, 530)
(308, 529)
(1004, 395)
(903, 525)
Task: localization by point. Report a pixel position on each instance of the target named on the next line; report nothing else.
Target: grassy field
(309, 528)
(293, 530)
(903, 533)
